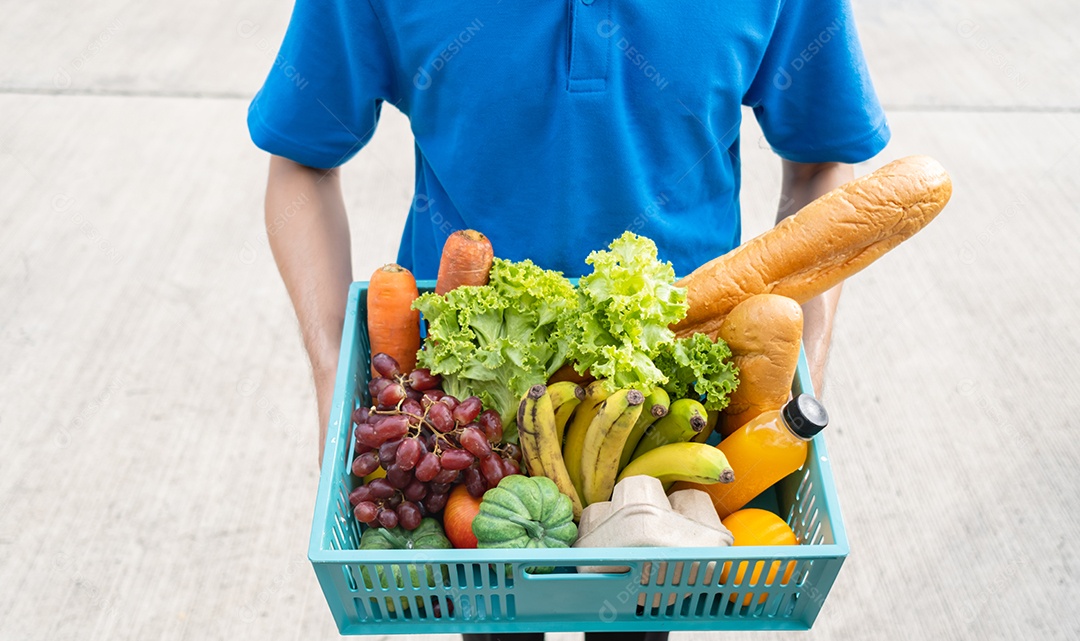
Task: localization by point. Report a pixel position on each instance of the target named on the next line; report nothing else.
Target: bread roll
(764, 333)
(827, 241)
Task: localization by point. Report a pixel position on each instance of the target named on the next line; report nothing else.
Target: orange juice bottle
(765, 450)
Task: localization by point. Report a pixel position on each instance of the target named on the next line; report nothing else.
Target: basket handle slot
(582, 572)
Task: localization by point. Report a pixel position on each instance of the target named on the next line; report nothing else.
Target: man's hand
(309, 237)
(803, 183)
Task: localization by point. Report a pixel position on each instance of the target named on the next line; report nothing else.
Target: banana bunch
(586, 439)
(610, 428)
(541, 419)
(603, 443)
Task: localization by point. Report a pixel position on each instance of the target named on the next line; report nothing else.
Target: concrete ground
(157, 464)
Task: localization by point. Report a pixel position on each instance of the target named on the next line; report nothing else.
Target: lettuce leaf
(498, 340)
(624, 309)
(697, 366)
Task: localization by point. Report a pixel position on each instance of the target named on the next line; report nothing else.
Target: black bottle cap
(805, 416)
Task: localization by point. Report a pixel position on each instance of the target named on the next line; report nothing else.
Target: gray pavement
(157, 465)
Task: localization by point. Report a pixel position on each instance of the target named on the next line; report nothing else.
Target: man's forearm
(801, 185)
(309, 237)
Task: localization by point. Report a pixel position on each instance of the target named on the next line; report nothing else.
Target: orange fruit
(752, 526)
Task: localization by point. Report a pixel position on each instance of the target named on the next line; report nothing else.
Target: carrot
(466, 260)
(393, 325)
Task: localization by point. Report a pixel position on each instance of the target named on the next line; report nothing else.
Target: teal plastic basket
(492, 590)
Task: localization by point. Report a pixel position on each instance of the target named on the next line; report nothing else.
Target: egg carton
(640, 514)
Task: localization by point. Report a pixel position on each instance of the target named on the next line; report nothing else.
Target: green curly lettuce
(498, 340)
(624, 309)
(697, 366)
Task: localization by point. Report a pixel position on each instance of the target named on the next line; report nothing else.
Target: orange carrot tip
(466, 260)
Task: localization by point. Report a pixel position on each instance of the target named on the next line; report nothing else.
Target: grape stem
(439, 436)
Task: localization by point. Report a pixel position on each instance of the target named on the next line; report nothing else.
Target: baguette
(827, 241)
(764, 334)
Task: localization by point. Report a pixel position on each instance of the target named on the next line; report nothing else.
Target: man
(554, 126)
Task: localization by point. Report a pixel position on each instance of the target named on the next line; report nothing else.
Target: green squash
(428, 536)
(525, 512)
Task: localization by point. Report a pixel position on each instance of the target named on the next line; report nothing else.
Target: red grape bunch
(428, 442)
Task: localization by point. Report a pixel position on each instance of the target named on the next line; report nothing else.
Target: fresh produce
(764, 451)
(498, 340)
(829, 240)
(574, 444)
(540, 446)
(461, 509)
(525, 512)
(604, 442)
(625, 307)
(699, 367)
(685, 419)
(428, 535)
(565, 397)
(764, 333)
(427, 441)
(466, 260)
(695, 462)
(752, 526)
(393, 325)
(656, 406)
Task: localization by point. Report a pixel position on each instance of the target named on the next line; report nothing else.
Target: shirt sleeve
(812, 94)
(321, 101)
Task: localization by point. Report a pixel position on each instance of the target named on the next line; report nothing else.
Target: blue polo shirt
(552, 127)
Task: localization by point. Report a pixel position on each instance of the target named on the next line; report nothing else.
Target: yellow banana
(565, 397)
(684, 420)
(711, 418)
(655, 407)
(693, 462)
(604, 443)
(595, 394)
(534, 408)
(540, 449)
